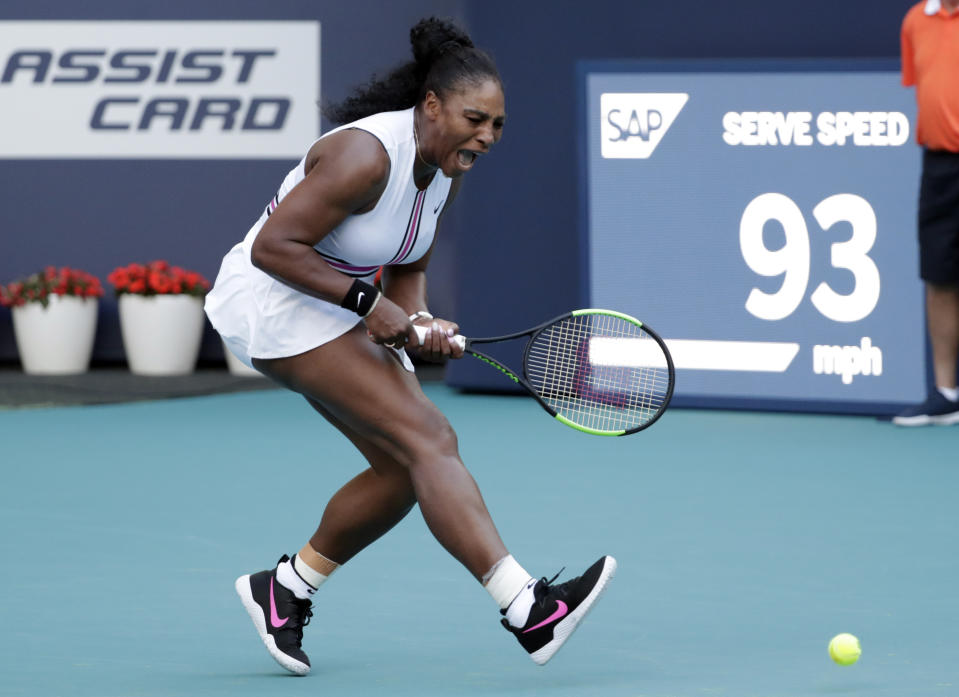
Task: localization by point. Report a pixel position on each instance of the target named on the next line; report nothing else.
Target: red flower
(160, 283)
(38, 287)
(157, 278)
(120, 278)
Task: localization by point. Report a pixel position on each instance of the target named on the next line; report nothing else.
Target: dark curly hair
(444, 59)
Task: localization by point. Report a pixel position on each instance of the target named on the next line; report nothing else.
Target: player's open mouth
(466, 158)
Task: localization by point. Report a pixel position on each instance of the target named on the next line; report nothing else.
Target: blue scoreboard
(762, 218)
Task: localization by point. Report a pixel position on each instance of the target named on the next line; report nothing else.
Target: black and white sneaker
(935, 411)
(279, 617)
(558, 610)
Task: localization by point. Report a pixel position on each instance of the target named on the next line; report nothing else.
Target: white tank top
(400, 228)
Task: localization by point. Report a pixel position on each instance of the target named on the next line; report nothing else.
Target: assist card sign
(158, 89)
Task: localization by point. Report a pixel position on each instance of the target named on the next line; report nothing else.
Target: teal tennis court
(745, 541)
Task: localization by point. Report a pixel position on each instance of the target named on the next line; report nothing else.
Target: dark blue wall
(512, 239)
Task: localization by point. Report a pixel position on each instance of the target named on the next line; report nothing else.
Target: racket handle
(457, 339)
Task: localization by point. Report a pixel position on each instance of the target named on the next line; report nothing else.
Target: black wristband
(361, 298)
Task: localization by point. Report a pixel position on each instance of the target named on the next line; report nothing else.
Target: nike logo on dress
(275, 619)
(438, 206)
(561, 610)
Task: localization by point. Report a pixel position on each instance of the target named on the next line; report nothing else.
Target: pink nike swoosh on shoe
(275, 619)
(561, 610)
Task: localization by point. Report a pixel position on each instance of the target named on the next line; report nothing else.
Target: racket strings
(599, 371)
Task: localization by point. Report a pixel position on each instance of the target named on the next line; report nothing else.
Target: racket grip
(457, 339)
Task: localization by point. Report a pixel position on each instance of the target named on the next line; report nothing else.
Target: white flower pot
(161, 333)
(238, 367)
(57, 339)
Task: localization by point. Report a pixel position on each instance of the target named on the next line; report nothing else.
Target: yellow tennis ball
(844, 649)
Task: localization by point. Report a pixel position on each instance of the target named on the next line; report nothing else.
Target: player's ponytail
(444, 58)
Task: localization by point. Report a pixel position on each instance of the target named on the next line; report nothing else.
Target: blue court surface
(745, 541)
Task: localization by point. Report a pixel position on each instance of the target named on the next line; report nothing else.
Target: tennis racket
(598, 371)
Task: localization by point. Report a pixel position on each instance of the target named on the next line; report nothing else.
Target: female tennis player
(295, 300)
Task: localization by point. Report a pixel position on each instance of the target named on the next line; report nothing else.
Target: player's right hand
(389, 325)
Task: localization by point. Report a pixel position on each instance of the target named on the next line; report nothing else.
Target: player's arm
(348, 174)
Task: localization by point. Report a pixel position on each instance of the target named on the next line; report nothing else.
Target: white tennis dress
(260, 317)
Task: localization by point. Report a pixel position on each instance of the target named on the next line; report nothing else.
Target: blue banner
(763, 220)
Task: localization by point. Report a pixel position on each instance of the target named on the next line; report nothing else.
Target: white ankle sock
(299, 578)
(505, 580)
(950, 393)
(308, 573)
(518, 611)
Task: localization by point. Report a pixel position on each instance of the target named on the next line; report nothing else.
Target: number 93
(792, 259)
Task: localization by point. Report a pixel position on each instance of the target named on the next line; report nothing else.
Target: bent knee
(440, 436)
(431, 438)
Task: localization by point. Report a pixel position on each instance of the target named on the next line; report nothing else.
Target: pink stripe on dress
(413, 227)
(351, 269)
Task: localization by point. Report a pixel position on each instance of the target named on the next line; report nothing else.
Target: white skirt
(260, 317)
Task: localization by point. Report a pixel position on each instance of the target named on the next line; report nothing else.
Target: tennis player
(295, 299)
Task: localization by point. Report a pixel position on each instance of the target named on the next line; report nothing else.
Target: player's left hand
(436, 344)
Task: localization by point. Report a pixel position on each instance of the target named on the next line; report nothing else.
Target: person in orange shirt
(930, 62)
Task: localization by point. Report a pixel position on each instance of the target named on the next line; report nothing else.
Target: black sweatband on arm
(361, 298)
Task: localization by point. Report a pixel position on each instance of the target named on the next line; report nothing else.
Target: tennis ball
(844, 649)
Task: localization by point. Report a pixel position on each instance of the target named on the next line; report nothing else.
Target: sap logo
(633, 124)
(847, 361)
(637, 127)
